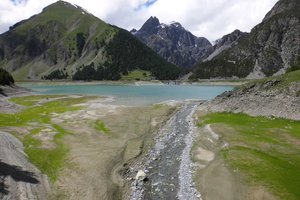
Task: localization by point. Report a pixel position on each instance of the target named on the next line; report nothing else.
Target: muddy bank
(212, 176)
(166, 170)
(257, 104)
(7, 91)
(13, 90)
(19, 179)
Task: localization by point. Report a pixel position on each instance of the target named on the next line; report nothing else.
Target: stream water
(167, 164)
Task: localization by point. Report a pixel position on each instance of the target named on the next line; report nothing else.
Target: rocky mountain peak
(268, 50)
(66, 41)
(175, 24)
(150, 25)
(133, 31)
(173, 42)
(229, 38)
(224, 43)
(282, 6)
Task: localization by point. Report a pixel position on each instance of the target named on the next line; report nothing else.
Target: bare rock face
(172, 42)
(271, 97)
(269, 49)
(19, 179)
(224, 43)
(280, 7)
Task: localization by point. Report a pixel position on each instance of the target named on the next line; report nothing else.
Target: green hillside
(65, 41)
(5, 78)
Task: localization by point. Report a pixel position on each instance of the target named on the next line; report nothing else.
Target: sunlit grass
(266, 150)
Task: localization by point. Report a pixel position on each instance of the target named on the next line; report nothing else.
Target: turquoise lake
(135, 94)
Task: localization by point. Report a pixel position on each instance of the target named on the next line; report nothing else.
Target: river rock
(141, 175)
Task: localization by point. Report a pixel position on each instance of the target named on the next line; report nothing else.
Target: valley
(89, 147)
(89, 110)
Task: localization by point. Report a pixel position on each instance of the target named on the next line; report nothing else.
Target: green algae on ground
(36, 117)
(100, 126)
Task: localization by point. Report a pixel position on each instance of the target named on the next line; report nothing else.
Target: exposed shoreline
(13, 90)
(118, 184)
(204, 82)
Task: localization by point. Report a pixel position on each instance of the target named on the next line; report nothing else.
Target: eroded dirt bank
(19, 179)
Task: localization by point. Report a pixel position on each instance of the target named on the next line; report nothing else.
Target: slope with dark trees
(65, 41)
(269, 49)
(126, 53)
(6, 78)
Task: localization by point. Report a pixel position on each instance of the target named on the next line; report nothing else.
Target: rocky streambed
(166, 170)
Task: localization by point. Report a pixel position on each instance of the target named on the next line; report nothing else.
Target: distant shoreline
(202, 83)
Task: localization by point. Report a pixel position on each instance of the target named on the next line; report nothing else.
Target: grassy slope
(66, 21)
(283, 82)
(265, 150)
(100, 44)
(66, 15)
(137, 75)
(36, 117)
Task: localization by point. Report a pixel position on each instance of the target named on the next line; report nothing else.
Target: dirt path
(19, 179)
(168, 165)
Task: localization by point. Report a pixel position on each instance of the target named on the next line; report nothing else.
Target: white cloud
(208, 18)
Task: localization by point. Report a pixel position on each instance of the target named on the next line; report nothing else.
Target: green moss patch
(100, 126)
(36, 117)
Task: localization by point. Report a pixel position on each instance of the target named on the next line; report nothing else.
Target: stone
(141, 175)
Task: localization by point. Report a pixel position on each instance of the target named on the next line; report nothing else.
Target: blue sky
(146, 4)
(208, 18)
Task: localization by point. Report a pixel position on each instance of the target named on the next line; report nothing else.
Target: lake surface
(134, 94)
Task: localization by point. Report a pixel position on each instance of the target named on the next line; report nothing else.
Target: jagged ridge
(173, 42)
(267, 50)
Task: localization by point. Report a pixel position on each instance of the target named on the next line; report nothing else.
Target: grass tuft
(100, 126)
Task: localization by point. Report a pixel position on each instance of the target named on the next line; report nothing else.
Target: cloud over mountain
(209, 18)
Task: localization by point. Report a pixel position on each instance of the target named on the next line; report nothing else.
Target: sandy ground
(12, 90)
(96, 158)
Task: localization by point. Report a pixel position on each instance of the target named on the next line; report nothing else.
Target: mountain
(66, 41)
(6, 78)
(224, 43)
(173, 42)
(269, 49)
